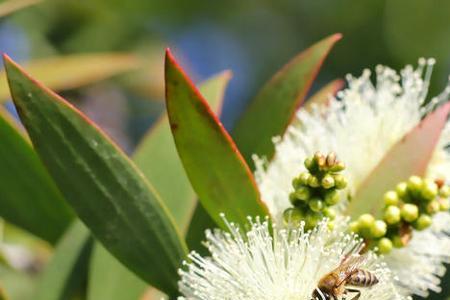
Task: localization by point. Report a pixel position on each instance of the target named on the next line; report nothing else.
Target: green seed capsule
(384, 245)
(415, 184)
(366, 221)
(390, 198)
(293, 216)
(378, 229)
(329, 212)
(429, 189)
(409, 212)
(340, 181)
(327, 182)
(401, 189)
(423, 222)
(433, 207)
(332, 197)
(444, 191)
(313, 181)
(392, 215)
(444, 204)
(316, 204)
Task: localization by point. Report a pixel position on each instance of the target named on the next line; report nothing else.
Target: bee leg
(358, 293)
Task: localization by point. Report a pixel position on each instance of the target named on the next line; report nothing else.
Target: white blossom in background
(253, 265)
(360, 126)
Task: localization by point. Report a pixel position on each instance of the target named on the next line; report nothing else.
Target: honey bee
(335, 284)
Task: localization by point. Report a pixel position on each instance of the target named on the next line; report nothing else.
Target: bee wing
(348, 266)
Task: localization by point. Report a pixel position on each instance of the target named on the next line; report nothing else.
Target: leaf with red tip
(409, 156)
(215, 168)
(273, 108)
(322, 96)
(158, 159)
(105, 188)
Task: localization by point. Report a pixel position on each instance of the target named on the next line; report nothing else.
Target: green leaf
(195, 236)
(157, 157)
(67, 269)
(29, 197)
(322, 96)
(110, 280)
(10, 6)
(409, 156)
(73, 71)
(273, 108)
(104, 187)
(215, 168)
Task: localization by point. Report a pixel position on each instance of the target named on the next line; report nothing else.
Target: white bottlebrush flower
(286, 266)
(360, 126)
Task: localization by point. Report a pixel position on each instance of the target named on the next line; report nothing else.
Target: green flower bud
(331, 159)
(444, 204)
(401, 189)
(327, 182)
(366, 221)
(433, 207)
(354, 226)
(390, 198)
(320, 159)
(410, 212)
(429, 189)
(312, 220)
(397, 242)
(330, 225)
(329, 212)
(332, 197)
(444, 191)
(415, 184)
(392, 215)
(316, 204)
(340, 181)
(303, 193)
(378, 229)
(384, 245)
(309, 163)
(293, 216)
(338, 166)
(313, 181)
(423, 222)
(303, 178)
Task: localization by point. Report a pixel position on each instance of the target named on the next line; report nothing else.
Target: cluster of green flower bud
(316, 190)
(409, 207)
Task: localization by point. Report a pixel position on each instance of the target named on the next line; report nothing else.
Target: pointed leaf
(104, 187)
(67, 268)
(215, 168)
(29, 197)
(158, 159)
(272, 110)
(110, 280)
(409, 156)
(73, 71)
(322, 97)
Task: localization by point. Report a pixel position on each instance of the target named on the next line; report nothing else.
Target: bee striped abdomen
(362, 278)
